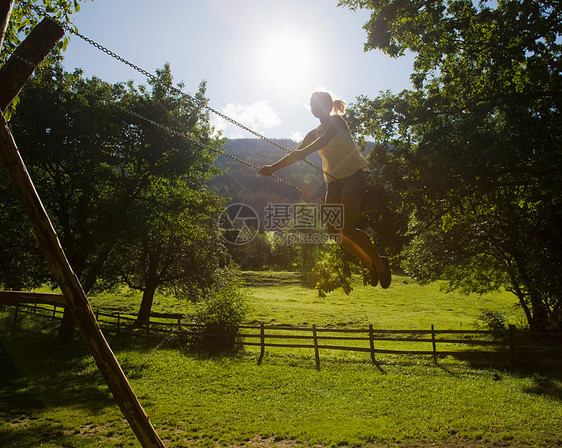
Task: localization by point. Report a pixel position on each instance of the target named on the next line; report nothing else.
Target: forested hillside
(242, 184)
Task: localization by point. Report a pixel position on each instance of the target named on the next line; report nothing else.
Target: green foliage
(22, 21)
(491, 320)
(226, 305)
(221, 311)
(476, 147)
(129, 201)
(334, 271)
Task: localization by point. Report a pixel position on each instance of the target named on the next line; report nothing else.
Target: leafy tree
(22, 266)
(23, 19)
(92, 161)
(171, 243)
(477, 144)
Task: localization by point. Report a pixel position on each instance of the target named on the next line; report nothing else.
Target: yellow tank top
(341, 158)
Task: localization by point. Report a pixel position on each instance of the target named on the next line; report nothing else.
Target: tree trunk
(146, 305)
(152, 280)
(68, 325)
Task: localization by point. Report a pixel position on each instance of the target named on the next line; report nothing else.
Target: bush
(220, 313)
(490, 320)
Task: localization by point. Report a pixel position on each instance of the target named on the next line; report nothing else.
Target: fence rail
(510, 343)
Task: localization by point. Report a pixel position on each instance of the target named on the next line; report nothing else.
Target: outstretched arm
(309, 145)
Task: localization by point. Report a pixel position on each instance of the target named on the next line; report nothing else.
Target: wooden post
(17, 70)
(512, 348)
(54, 312)
(372, 343)
(15, 319)
(5, 12)
(316, 351)
(262, 343)
(118, 323)
(433, 343)
(53, 252)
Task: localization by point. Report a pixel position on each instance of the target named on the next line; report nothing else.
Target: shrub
(490, 320)
(220, 313)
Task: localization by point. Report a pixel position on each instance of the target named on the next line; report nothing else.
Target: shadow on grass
(22, 432)
(37, 373)
(546, 373)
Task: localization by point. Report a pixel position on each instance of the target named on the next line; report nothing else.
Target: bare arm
(309, 145)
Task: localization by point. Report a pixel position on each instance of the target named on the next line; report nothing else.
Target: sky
(261, 59)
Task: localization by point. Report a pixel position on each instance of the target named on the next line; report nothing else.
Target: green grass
(285, 299)
(288, 298)
(53, 396)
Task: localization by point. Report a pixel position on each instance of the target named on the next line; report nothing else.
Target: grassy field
(53, 396)
(287, 298)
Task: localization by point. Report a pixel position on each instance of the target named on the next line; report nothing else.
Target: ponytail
(338, 107)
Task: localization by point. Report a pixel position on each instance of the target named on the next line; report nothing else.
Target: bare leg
(355, 240)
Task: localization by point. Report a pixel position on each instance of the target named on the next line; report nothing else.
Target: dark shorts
(351, 186)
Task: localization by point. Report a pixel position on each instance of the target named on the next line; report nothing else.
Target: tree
(477, 145)
(171, 243)
(92, 160)
(22, 265)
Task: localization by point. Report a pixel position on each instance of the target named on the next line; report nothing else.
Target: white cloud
(258, 116)
(297, 136)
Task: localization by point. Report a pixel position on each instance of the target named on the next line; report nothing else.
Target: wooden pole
(512, 347)
(5, 12)
(53, 252)
(372, 343)
(31, 52)
(262, 343)
(434, 345)
(316, 351)
(15, 319)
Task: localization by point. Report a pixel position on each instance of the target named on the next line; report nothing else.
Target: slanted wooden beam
(17, 297)
(17, 70)
(5, 11)
(73, 292)
(56, 258)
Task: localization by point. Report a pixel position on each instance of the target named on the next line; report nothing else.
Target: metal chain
(218, 151)
(25, 61)
(154, 78)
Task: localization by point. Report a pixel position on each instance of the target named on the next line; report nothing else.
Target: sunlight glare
(286, 62)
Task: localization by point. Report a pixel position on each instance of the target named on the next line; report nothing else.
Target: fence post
(316, 353)
(433, 344)
(512, 348)
(372, 343)
(118, 323)
(15, 319)
(262, 343)
(54, 312)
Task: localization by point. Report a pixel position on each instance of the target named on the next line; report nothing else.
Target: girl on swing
(345, 175)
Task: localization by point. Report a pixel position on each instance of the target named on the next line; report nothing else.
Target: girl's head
(322, 102)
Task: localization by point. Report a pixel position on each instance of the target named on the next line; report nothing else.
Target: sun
(285, 61)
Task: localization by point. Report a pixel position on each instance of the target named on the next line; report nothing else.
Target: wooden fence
(371, 340)
(510, 344)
